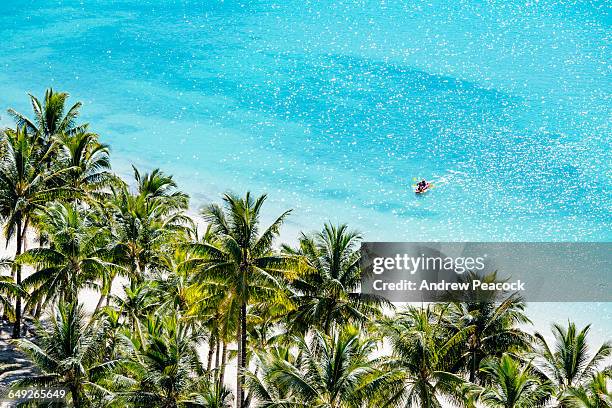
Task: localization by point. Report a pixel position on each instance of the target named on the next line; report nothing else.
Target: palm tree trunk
(473, 368)
(100, 301)
(95, 312)
(243, 333)
(223, 362)
(239, 364)
(217, 352)
(104, 293)
(327, 324)
(211, 349)
(75, 396)
(242, 363)
(17, 326)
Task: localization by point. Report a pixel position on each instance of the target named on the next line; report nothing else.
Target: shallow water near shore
(332, 108)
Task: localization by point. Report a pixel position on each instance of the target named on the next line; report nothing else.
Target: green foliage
(512, 385)
(87, 162)
(493, 323)
(176, 308)
(326, 290)
(594, 393)
(24, 185)
(338, 371)
(419, 370)
(242, 259)
(146, 223)
(164, 369)
(79, 258)
(69, 354)
(50, 117)
(569, 364)
(8, 289)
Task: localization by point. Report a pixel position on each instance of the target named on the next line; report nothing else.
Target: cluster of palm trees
(176, 304)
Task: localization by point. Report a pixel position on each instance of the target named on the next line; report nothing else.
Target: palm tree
(88, 160)
(569, 363)
(212, 396)
(215, 308)
(148, 222)
(334, 372)
(80, 256)
(263, 385)
(50, 117)
(243, 260)
(69, 354)
(136, 304)
(493, 326)
(165, 370)
(512, 385)
(25, 186)
(117, 330)
(204, 307)
(157, 186)
(326, 292)
(419, 369)
(593, 394)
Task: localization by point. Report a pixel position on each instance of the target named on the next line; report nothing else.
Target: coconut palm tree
(218, 311)
(206, 308)
(148, 222)
(69, 354)
(493, 325)
(79, 258)
(327, 291)
(263, 385)
(25, 186)
(157, 186)
(335, 372)
(212, 396)
(215, 308)
(165, 370)
(50, 117)
(88, 160)
(117, 330)
(512, 385)
(136, 304)
(595, 393)
(569, 363)
(419, 370)
(243, 260)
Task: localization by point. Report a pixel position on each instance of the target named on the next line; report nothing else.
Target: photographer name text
(443, 286)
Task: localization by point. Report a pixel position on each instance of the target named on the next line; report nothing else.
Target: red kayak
(423, 190)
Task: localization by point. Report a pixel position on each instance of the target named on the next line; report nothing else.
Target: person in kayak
(422, 186)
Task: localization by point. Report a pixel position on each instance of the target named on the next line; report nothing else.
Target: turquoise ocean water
(332, 107)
